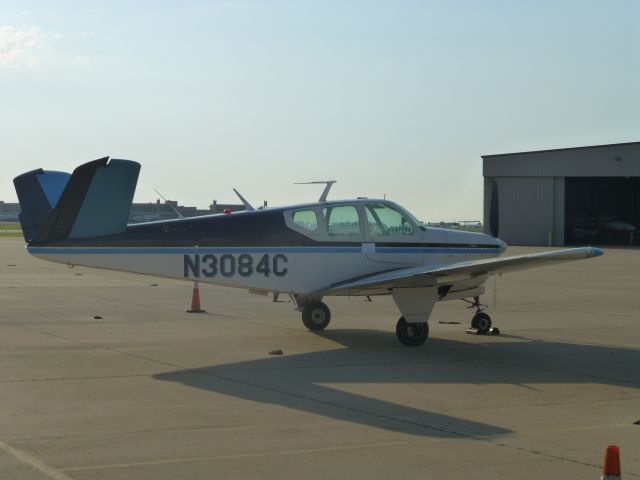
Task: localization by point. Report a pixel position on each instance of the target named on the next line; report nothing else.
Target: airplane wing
(450, 274)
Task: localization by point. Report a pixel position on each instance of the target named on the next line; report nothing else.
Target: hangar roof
(561, 149)
(613, 160)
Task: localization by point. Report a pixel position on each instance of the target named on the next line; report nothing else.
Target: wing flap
(434, 275)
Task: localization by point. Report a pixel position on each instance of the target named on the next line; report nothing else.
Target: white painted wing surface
(449, 274)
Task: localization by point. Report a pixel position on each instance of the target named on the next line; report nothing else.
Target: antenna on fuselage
(168, 202)
(325, 192)
(247, 205)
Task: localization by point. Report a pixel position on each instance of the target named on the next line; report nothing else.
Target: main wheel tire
(412, 334)
(316, 316)
(481, 322)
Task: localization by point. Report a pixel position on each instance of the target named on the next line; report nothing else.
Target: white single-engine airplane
(360, 247)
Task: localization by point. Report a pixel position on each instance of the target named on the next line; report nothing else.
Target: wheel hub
(318, 316)
(414, 330)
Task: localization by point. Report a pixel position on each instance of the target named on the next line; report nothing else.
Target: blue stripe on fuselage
(303, 250)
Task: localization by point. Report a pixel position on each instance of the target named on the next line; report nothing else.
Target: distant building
(140, 212)
(581, 195)
(9, 211)
(443, 224)
(149, 212)
(459, 225)
(470, 223)
(216, 207)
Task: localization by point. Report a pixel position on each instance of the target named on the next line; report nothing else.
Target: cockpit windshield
(386, 220)
(408, 214)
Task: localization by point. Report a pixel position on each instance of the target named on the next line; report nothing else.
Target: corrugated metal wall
(526, 209)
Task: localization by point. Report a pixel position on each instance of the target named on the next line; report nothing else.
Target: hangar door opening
(603, 210)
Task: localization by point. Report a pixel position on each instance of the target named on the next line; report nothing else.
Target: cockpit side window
(307, 219)
(383, 220)
(342, 221)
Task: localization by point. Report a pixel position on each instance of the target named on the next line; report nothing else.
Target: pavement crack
(65, 379)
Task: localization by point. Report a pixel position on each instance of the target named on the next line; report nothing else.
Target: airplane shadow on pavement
(300, 381)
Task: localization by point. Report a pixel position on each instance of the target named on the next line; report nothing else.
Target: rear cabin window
(385, 221)
(306, 219)
(342, 221)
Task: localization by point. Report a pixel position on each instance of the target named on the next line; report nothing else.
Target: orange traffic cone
(195, 300)
(611, 468)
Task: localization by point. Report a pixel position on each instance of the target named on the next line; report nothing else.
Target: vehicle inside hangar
(603, 210)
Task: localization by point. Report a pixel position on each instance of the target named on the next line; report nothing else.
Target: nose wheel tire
(412, 334)
(481, 322)
(316, 316)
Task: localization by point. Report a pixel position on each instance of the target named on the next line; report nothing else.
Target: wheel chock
(475, 331)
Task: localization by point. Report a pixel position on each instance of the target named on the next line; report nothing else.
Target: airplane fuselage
(273, 250)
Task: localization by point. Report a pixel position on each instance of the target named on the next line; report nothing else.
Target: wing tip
(596, 252)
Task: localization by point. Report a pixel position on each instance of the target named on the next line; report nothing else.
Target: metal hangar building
(567, 196)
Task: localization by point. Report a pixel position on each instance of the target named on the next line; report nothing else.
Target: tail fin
(38, 193)
(96, 201)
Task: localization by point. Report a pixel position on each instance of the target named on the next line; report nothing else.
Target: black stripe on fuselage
(434, 245)
(263, 228)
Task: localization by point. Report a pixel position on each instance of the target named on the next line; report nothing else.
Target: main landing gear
(481, 322)
(412, 334)
(316, 317)
(315, 314)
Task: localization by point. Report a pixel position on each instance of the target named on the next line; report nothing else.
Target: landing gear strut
(412, 334)
(481, 322)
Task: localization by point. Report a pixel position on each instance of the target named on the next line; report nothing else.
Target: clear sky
(387, 97)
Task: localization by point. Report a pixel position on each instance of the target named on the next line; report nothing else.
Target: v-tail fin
(38, 193)
(96, 201)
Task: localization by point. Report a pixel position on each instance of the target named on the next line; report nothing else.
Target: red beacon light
(227, 211)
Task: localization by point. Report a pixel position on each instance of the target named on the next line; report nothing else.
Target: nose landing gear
(481, 322)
